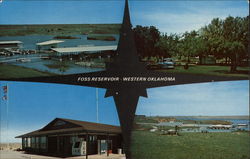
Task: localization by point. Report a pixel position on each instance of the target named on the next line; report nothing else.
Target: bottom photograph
(41, 121)
(194, 121)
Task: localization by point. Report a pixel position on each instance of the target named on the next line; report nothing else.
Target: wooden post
(99, 147)
(23, 143)
(58, 144)
(107, 139)
(39, 144)
(47, 144)
(87, 139)
(26, 143)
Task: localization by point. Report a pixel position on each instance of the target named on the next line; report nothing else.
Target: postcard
(124, 79)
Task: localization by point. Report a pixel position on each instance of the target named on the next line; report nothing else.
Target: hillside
(58, 29)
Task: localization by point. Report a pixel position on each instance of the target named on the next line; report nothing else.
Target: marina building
(48, 45)
(10, 44)
(85, 52)
(66, 137)
(85, 49)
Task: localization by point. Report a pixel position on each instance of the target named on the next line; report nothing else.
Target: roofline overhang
(71, 132)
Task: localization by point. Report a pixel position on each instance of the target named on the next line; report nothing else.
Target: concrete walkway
(9, 154)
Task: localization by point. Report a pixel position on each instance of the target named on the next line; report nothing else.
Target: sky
(34, 105)
(167, 15)
(207, 99)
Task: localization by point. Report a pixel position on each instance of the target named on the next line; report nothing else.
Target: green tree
(168, 45)
(235, 35)
(228, 39)
(189, 44)
(212, 34)
(146, 39)
(224, 39)
(201, 47)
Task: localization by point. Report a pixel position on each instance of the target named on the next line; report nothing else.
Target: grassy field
(148, 145)
(158, 119)
(210, 70)
(11, 71)
(145, 120)
(59, 29)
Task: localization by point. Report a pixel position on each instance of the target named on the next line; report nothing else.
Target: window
(59, 122)
(90, 138)
(77, 144)
(43, 142)
(24, 142)
(28, 142)
(33, 142)
(37, 142)
(73, 139)
(94, 138)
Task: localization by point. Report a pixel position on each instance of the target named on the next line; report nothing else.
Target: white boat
(23, 60)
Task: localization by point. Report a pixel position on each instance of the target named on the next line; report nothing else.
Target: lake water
(72, 68)
(199, 127)
(204, 126)
(234, 121)
(29, 43)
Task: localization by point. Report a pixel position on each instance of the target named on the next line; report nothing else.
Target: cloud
(8, 135)
(218, 98)
(169, 22)
(187, 15)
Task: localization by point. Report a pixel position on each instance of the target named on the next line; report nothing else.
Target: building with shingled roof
(64, 136)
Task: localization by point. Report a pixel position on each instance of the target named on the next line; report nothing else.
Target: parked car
(167, 63)
(152, 65)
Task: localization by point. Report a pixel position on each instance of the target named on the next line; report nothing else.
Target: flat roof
(50, 42)
(10, 42)
(85, 49)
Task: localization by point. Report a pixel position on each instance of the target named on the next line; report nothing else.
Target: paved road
(8, 154)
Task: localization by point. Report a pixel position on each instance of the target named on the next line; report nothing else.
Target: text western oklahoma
(124, 79)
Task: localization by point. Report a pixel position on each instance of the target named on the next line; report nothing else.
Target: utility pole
(7, 110)
(97, 106)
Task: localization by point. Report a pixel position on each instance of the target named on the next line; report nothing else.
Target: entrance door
(52, 145)
(64, 145)
(102, 146)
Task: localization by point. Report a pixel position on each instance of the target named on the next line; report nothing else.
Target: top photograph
(57, 38)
